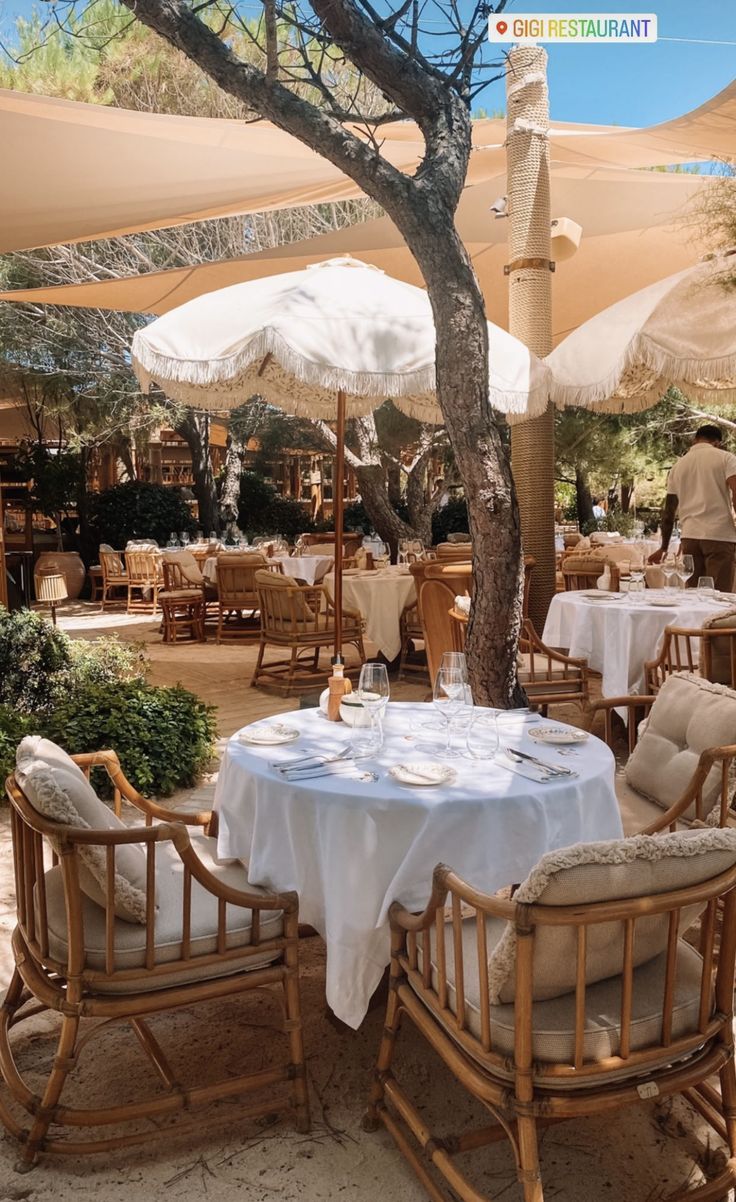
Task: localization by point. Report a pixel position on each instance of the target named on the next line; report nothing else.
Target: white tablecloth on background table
(381, 597)
(309, 568)
(351, 848)
(617, 637)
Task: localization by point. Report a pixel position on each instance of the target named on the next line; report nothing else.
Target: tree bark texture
(583, 499)
(423, 208)
(230, 490)
(194, 429)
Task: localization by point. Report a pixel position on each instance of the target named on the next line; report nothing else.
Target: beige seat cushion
(720, 649)
(58, 789)
(636, 811)
(641, 866)
(689, 715)
(320, 549)
(130, 940)
(187, 565)
(553, 1021)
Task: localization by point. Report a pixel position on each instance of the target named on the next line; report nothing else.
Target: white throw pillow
(58, 789)
(641, 866)
(689, 715)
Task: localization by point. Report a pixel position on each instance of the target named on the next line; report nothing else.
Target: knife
(553, 768)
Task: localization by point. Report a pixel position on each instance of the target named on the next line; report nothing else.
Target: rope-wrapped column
(530, 304)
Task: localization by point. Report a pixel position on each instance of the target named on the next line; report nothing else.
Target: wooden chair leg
(386, 1050)
(63, 1062)
(259, 663)
(529, 1174)
(292, 1010)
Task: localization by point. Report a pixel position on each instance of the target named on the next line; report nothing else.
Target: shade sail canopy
(115, 171)
(681, 331)
(299, 338)
(632, 231)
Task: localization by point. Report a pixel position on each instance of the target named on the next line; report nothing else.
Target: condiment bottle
(338, 685)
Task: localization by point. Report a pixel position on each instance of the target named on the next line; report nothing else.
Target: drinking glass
(481, 742)
(449, 699)
(685, 569)
(456, 662)
(213, 536)
(373, 692)
(669, 571)
(173, 540)
(184, 537)
(706, 585)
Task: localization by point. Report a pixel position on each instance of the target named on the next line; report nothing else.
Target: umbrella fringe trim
(645, 354)
(201, 373)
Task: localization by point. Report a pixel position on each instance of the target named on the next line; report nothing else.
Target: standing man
(702, 487)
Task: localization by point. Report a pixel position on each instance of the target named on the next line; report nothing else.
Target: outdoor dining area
(346, 865)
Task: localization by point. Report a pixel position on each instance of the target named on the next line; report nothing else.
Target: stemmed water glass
(184, 538)
(373, 693)
(685, 569)
(669, 571)
(449, 697)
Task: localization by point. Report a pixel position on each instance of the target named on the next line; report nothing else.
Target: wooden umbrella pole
(338, 514)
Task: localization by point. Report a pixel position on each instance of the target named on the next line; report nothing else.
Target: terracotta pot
(68, 564)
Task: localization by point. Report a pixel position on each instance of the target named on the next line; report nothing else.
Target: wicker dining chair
(145, 580)
(300, 619)
(682, 748)
(709, 649)
(579, 572)
(237, 595)
(576, 997)
(120, 923)
(182, 569)
(114, 575)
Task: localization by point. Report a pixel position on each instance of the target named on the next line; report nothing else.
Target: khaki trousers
(711, 558)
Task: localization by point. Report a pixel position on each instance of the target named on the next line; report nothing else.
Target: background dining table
(309, 568)
(619, 635)
(380, 596)
(350, 847)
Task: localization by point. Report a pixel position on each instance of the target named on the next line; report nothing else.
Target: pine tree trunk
(230, 490)
(194, 429)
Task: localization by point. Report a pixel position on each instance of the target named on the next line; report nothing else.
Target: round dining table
(619, 634)
(351, 839)
(380, 597)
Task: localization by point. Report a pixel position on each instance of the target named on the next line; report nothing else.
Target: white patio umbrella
(680, 331)
(332, 341)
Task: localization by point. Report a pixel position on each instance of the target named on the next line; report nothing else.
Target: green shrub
(105, 660)
(163, 736)
(450, 519)
(624, 523)
(262, 511)
(13, 728)
(35, 661)
(139, 510)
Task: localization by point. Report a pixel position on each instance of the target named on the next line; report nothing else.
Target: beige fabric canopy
(632, 234)
(116, 171)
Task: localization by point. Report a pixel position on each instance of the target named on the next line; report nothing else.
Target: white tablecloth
(309, 568)
(351, 848)
(380, 597)
(619, 636)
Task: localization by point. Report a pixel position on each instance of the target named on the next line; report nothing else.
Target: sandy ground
(639, 1156)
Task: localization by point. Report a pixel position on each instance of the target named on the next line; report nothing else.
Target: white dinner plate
(599, 595)
(268, 734)
(663, 603)
(423, 773)
(557, 734)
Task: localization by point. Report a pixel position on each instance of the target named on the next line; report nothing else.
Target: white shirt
(698, 480)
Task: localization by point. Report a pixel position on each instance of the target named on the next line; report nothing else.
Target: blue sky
(624, 85)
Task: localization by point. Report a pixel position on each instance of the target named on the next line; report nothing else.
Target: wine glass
(455, 661)
(669, 571)
(373, 693)
(184, 538)
(449, 698)
(173, 540)
(685, 569)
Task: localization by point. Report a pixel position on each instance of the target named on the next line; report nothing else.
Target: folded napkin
(523, 768)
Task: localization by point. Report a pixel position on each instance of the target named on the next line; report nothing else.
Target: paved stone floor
(638, 1157)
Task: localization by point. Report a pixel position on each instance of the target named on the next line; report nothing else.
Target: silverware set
(551, 770)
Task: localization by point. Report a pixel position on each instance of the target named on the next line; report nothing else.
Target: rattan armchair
(201, 933)
(114, 575)
(682, 751)
(301, 619)
(709, 649)
(583, 571)
(577, 997)
(145, 580)
(237, 595)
